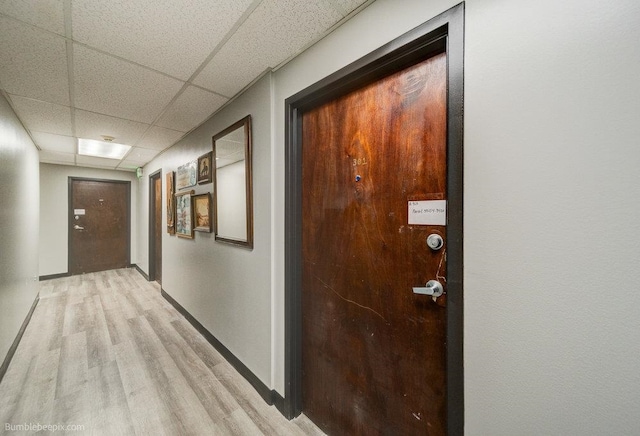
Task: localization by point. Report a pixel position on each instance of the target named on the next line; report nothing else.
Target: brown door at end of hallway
(99, 234)
(157, 227)
(374, 164)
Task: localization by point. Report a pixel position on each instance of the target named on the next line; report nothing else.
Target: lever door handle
(77, 227)
(433, 287)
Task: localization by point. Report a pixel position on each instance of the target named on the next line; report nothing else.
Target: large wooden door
(98, 225)
(373, 163)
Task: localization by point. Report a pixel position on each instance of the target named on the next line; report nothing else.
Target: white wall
(54, 205)
(226, 288)
(552, 188)
(18, 225)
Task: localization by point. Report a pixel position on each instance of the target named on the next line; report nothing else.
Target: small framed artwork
(184, 215)
(202, 212)
(187, 175)
(204, 168)
(171, 204)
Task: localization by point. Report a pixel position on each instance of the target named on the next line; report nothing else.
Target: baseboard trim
(16, 342)
(267, 394)
(144, 274)
(278, 402)
(54, 276)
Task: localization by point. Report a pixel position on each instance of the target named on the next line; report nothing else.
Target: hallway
(105, 352)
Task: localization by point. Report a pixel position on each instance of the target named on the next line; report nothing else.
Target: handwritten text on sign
(428, 212)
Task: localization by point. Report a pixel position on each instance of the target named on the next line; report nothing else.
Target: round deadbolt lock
(435, 241)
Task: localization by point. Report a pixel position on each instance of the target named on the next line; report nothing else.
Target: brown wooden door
(373, 352)
(157, 225)
(98, 225)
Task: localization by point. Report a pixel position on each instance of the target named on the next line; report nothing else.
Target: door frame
(444, 32)
(152, 222)
(70, 214)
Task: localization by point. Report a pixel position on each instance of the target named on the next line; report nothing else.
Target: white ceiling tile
(46, 14)
(177, 35)
(42, 116)
(33, 63)
(51, 142)
(140, 156)
(159, 138)
(47, 156)
(274, 32)
(347, 6)
(114, 87)
(97, 162)
(190, 109)
(90, 125)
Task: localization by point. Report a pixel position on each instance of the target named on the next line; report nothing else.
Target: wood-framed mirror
(233, 187)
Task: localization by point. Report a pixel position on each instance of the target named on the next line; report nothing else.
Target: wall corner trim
(16, 342)
(268, 395)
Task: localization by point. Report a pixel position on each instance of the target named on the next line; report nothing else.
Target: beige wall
(226, 288)
(18, 225)
(54, 205)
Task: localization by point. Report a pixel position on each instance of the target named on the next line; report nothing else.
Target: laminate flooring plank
(73, 367)
(188, 415)
(36, 399)
(110, 411)
(209, 355)
(217, 401)
(99, 347)
(148, 412)
(74, 317)
(55, 324)
(247, 397)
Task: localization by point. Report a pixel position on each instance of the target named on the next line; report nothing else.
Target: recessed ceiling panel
(110, 86)
(46, 14)
(190, 109)
(177, 35)
(33, 62)
(42, 116)
(159, 138)
(51, 142)
(93, 126)
(274, 32)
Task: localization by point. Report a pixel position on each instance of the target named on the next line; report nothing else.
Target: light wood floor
(107, 352)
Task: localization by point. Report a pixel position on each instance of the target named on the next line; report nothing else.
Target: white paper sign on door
(78, 211)
(428, 212)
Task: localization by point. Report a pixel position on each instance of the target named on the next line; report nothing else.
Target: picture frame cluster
(187, 212)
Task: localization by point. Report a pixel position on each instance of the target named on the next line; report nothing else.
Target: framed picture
(202, 212)
(187, 175)
(171, 204)
(204, 168)
(184, 215)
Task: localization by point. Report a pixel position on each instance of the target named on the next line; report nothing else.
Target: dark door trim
(152, 224)
(442, 33)
(70, 214)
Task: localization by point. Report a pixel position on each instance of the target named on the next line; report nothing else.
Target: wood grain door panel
(373, 353)
(99, 225)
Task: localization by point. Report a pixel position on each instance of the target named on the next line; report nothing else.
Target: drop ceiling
(145, 72)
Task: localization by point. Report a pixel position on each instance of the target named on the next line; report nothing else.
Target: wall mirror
(233, 197)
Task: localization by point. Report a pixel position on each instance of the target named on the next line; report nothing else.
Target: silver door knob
(433, 287)
(77, 227)
(435, 241)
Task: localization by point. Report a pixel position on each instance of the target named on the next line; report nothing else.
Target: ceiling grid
(145, 72)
